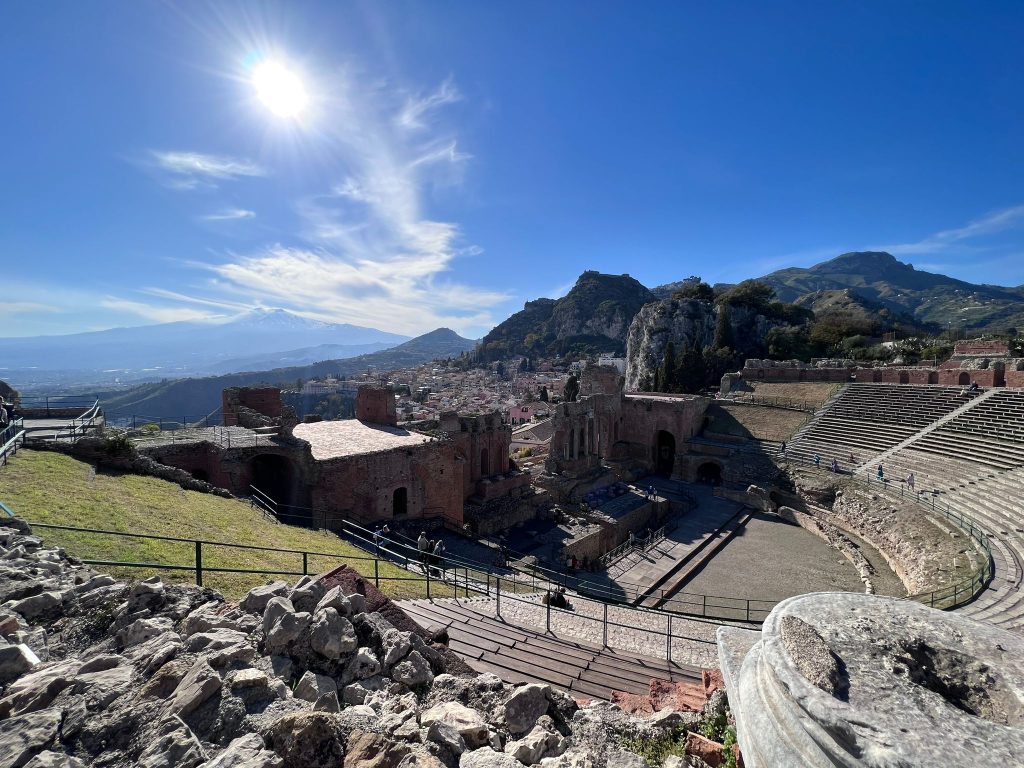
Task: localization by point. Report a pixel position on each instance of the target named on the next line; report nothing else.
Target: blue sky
(455, 159)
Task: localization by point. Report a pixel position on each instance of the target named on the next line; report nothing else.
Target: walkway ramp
(525, 655)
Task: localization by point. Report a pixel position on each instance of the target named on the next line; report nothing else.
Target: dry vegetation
(812, 392)
(754, 421)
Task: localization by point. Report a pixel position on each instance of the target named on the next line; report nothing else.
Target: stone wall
(376, 405)
(1008, 372)
(247, 404)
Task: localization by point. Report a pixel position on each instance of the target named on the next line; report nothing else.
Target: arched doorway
(400, 502)
(200, 474)
(904, 377)
(276, 477)
(998, 374)
(665, 453)
(709, 472)
(485, 467)
(965, 378)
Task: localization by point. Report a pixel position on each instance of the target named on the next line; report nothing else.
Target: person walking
(817, 461)
(911, 481)
(437, 558)
(423, 545)
(835, 466)
(881, 474)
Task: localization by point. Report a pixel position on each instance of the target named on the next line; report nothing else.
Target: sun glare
(280, 89)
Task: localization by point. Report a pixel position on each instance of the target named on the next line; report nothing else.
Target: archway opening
(665, 453)
(276, 477)
(200, 474)
(709, 473)
(933, 377)
(904, 377)
(400, 502)
(485, 467)
(998, 374)
(964, 378)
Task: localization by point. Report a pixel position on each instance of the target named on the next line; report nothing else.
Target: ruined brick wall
(620, 427)
(238, 401)
(363, 487)
(376, 405)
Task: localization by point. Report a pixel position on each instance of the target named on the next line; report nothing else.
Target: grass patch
(656, 750)
(46, 487)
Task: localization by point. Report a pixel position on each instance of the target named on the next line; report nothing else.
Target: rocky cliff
(593, 317)
(686, 321)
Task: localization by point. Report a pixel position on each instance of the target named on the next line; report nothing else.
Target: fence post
(497, 594)
(199, 563)
(604, 627)
(668, 639)
(305, 563)
(748, 610)
(376, 573)
(547, 618)
(427, 571)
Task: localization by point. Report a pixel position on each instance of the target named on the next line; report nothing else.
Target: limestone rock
(621, 758)
(335, 599)
(45, 605)
(50, 759)
(245, 752)
(328, 702)
(414, 671)
(539, 743)
(145, 595)
(25, 736)
(445, 734)
(372, 750)
(525, 705)
(257, 599)
(468, 722)
(274, 609)
(175, 746)
(198, 685)
(288, 628)
(332, 635)
(363, 665)
(308, 740)
(312, 686)
(16, 660)
(485, 757)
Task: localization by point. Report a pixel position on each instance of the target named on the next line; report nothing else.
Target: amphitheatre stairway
(517, 653)
(969, 455)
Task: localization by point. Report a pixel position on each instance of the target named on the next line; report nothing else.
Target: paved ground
(227, 436)
(639, 569)
(770, 559)
(350, 437)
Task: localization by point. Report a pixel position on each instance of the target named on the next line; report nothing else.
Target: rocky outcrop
(323, 673)
(691, 322)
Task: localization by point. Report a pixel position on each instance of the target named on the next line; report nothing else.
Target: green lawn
(45, 487)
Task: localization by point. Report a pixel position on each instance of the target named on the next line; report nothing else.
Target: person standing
(881, 474)
(423, 545)
(817, 461)
(911, 481)
(438, 558)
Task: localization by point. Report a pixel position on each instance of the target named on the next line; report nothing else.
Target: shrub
(656, 750)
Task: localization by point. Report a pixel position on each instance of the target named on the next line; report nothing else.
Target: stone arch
(485, 467)
(400, 502)
(570, 447)
(277, 477)
(581, 449)
(933, 377)
(998, 374)
(709, 472)
(964, 378)
(664, 453)
(904, 377)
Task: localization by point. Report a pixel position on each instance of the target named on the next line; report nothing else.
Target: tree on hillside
(544, 394)
(695, 288)
(752, 294)
(723, 328)
(572, 389)
(690, 373)
(665, 376)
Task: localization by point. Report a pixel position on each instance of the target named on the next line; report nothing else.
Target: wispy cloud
(192, 170)
(415, 111)
(957, 239)
(11, 308)
(230, 214)
(156, 313)
(371, 254)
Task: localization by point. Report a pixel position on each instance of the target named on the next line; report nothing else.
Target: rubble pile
(326, 672)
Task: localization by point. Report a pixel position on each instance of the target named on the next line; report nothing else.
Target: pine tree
(543, 394)
(665, 380)
(723, 328)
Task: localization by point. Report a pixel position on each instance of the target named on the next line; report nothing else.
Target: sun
(280, 89)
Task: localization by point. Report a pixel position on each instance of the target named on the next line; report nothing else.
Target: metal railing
(74, 428)
(964, 590)
(773, 401)
(444, 575)
(536, 578)
(11, 438)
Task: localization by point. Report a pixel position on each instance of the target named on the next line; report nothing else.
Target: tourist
(573, 563)
(881, 474)
(4, 418)
(835, 466)
(586, 563)
(423, 545)
(651, 492)
(974, 386)
(782, 450)
(438, 558)
(817, 461)
(911, 481)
